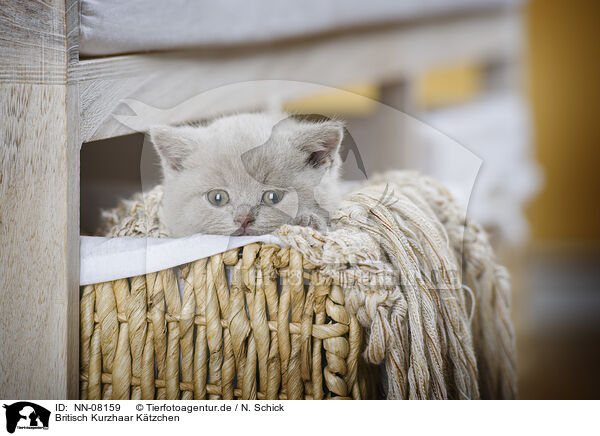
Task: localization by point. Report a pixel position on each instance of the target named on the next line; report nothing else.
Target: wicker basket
(274, 330)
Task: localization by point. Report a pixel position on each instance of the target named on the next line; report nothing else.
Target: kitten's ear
(172, 145)
(321, 141)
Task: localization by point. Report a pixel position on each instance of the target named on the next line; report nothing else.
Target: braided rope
(398, 248)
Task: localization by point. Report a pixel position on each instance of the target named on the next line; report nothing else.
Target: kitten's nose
(244, 220)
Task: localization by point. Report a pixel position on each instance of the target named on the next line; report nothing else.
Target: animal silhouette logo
(26, 415)
(321, 155)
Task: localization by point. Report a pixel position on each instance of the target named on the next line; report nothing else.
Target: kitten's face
(247, 174)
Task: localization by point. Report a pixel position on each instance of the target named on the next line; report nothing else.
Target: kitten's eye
(218, 197)
(272, 197)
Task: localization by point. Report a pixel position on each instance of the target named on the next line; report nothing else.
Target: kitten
(248, 174)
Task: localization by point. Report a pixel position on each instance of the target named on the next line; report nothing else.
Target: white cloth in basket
(106, 259)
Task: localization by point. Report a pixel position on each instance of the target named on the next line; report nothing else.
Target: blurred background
(557, 282)
(517, 85)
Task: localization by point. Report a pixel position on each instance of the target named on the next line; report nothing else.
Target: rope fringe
(405, 227)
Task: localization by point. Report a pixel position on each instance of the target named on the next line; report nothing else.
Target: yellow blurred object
(349, 101)
(449, 85)
(444, 86)
(564, 59)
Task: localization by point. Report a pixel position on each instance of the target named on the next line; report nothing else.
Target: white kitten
(248, 174)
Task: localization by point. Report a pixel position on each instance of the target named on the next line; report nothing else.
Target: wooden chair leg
(39, 205)
(39, 254)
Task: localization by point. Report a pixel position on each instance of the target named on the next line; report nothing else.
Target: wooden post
(39, 200)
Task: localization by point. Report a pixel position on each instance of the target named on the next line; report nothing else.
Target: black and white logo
(26, 415)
